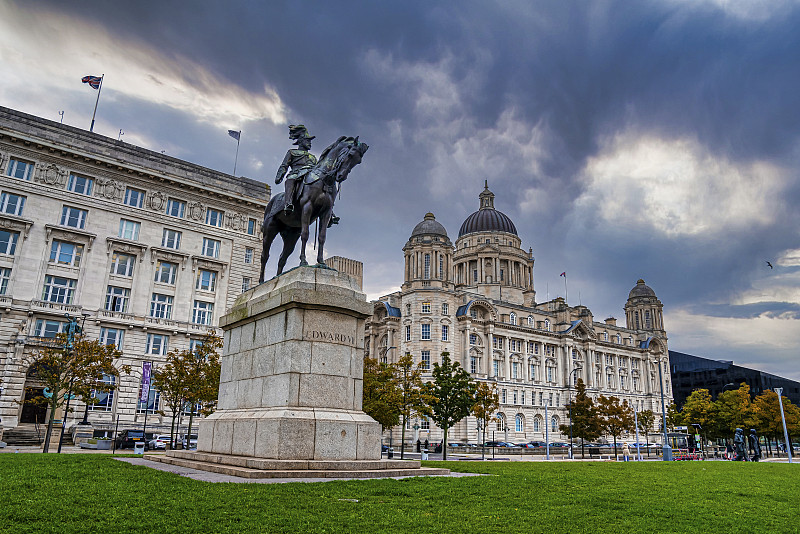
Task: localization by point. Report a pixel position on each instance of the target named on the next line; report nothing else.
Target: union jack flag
(93, 81)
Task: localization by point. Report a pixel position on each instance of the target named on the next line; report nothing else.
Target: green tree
(381, 393)
(697, 409)
(414, 399)
(647, 420)
(586, 422)
(72, 366)
(768, 416)
(453, 395)
(616, 417)
(486, 404)
(733, 409)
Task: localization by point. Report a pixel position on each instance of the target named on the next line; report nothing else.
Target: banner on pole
(146, 369)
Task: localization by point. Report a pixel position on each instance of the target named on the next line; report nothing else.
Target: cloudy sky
(656, 140)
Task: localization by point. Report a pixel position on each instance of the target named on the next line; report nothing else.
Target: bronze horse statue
(314, 201)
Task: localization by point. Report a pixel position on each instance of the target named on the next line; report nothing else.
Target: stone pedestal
(291, 386)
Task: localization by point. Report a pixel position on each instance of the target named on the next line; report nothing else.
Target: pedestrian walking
(626, 452)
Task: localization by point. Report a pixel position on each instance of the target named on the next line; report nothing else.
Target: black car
(128, 438)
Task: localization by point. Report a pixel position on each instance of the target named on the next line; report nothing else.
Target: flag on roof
(564, 274)
(234, 134)
(93, 81)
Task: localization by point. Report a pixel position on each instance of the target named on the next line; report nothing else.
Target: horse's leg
(305, 220)
(324, 218)
(270, 232)
(290, 237)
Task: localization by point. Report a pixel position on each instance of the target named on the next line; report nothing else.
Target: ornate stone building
(475, 299)
(149, 249)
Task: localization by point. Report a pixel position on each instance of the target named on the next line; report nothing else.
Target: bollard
(424, 456)
(390, 453)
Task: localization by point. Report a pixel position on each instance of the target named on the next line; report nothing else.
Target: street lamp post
(569, 392)
(779, 391)
(546, 430)
(384, 352)
(666, 451)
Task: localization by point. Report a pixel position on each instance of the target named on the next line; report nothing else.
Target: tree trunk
(444, 445)
(189, 432)
(615, 446)
(172, 430)
(53, 406)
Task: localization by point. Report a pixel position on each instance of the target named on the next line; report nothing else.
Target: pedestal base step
(246, 467)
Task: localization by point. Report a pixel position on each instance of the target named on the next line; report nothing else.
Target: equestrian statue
(311, 189)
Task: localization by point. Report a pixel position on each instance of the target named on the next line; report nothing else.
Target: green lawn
(94, 494)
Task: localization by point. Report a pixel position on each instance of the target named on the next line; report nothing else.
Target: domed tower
(429, 256)
(489, 258)
(643, 311)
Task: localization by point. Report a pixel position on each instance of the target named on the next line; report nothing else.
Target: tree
(73, 366)
(647, 420)
(381, 393)
(616, 417)
(586, 423)
(190, 379)
(768, 416)
(486, 404)
(673, 417)
(414, 398)
(733, 409)
(697, 409)
(453, 395)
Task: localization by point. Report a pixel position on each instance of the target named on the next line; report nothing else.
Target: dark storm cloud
(567, 76)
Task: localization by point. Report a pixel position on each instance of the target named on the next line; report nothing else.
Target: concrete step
(246, 472)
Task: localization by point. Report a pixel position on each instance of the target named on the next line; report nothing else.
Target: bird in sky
(770, 265)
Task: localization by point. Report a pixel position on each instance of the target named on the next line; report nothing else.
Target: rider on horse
(300, 160)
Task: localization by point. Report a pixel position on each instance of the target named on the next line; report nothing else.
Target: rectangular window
(408, 333)
(214, 217)
(11, 203)
(157, 344)
(427, 267)
(117, 299)
(515, 370)
(251, 226)
(473, 339)
(171, 239)
(153, 400)
(112, 336)
(20, 169)
(550, 377)
(129, 229)
(66, 253)
(245, 283)
(473, 365)
(426, 360)
(134, 197)
(165, 272)
(74, 217)
(503, 396)
(426, 307)
(248, 255)
(514, 396)
(58, 289)
(445, 332)
(541, 398)
(445, 309)
(8, 242)
(176, 208)
(122, 264)
(161, 306)
(426, 332)
(495, 368)
(80, 184)
(210, 247)
(202, 312)
(424, 423)
(50, 329)
(104, 398)
(475, 275)
(5, 278)
(522, 400)
(206, 280)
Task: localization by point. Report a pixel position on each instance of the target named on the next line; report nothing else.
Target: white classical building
(146, 249)
(476, 300)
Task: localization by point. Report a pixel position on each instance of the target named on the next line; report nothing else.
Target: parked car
(532, 444)
(128, 438)
(559, 444)
(159, 442)
(192, 444)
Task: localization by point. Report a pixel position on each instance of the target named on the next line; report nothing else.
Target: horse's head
(338, 159)
(352, 154)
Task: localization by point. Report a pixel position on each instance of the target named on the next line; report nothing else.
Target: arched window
(554, 424)
(512, 318)
(520, 423)
(537, 424)
(547, 324)
(501, 422)
(530, 321)
(647, 324)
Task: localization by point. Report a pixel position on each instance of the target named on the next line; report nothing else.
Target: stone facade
(151, 250)
(476, 300)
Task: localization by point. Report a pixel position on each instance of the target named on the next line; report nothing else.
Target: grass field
(97, 494)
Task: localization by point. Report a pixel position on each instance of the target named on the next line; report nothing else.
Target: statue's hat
(299, 131)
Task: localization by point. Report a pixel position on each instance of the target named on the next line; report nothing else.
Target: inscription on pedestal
(332, 337)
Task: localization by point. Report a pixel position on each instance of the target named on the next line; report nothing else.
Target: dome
(429, 226)
(641, 290)
(487, 219)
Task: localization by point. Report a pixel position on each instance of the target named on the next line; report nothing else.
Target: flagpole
(91, 128)
(566, 293)
(236, 160)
